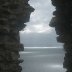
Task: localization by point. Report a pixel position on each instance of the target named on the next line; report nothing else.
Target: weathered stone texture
(13, 15)
(63, 25)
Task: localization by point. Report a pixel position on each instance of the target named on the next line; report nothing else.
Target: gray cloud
(41, 15)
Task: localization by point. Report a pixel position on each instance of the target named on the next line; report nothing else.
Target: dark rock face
(13, 15)
(63, 25)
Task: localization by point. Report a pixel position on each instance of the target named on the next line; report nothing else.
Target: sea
(42, 59)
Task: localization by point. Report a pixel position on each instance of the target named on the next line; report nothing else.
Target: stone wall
(13, 15)
(62, 21)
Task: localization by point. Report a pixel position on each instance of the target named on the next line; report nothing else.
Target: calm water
(42, 59)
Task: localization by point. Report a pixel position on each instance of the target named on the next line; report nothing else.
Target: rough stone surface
(63, 25)
(13, 15)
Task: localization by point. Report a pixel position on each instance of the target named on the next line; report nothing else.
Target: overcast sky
(37, 32)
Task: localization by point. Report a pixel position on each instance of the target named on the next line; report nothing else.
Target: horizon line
(43, 47)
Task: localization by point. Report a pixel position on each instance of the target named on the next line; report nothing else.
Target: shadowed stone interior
(13, 15)
(62, 21)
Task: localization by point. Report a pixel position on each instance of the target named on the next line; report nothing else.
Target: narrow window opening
(42, 51)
